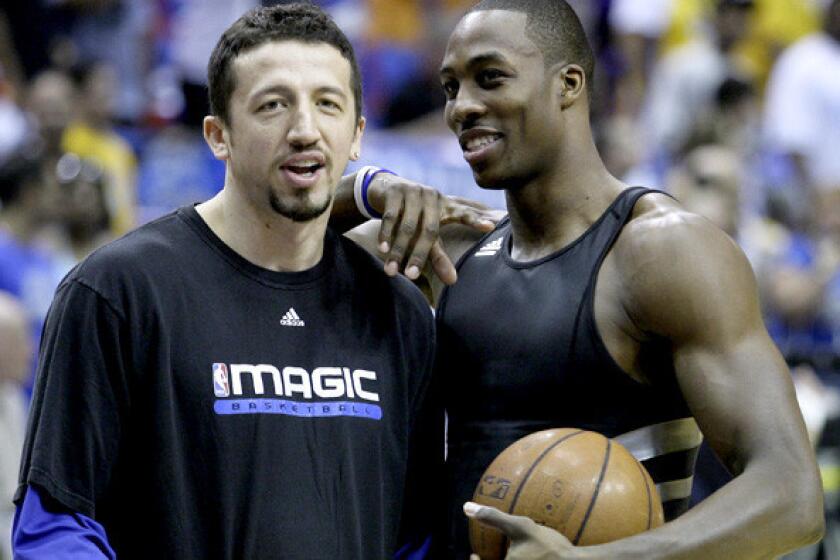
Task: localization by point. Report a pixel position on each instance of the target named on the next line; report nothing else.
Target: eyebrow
(478, 60)
(285, 90)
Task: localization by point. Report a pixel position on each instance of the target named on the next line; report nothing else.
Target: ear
(215, 134)
(570, 82)
(356, 148)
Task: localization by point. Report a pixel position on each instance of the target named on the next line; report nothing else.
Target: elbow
(812, 527)
(805, 513)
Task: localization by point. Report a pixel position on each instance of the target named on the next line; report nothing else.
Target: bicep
(704, 302)
(743, 399)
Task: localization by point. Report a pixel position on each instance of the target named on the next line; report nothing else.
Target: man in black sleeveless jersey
(234, 380)
(597, 306)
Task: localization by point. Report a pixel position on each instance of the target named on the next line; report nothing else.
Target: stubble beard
(301, 209)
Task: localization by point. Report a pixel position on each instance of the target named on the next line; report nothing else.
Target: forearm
(762, 513)
(345, 215)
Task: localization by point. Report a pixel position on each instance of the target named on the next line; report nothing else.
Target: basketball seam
(534, 465)
(525, 480)
(650, 496)
(594, 494)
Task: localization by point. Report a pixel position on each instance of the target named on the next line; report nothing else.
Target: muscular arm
(685, 281)
(689, 283)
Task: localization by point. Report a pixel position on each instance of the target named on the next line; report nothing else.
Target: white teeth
(480, 142)
(306, 163)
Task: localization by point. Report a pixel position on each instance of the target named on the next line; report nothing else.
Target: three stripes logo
(292, 319)
(491, 248)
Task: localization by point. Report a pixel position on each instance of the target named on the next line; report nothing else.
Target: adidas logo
(491, 248)
(292, 319)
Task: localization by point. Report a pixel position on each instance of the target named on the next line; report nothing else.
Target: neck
(262, 236)
(551, 211)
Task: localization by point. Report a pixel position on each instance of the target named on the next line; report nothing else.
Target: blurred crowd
(732, 106)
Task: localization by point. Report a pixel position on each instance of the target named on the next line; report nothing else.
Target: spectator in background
(93, 137)
(637, 26)
(684, 82)
(802, 125)
(802, 114)
(10, 70)
(14, 130)
(51, 100)
(29, 272)
(81, 219)
(803, 286)
(15, 366)
(708, 182)
(195, 25)
(732, 120)
(125, 26)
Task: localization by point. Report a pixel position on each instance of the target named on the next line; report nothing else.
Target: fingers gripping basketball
(590, 489)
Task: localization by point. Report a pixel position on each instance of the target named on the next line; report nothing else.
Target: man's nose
(303, 131)
(465, 107)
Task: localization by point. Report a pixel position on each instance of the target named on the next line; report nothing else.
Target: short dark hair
(554, 27)
(23, 169)
(299, 21)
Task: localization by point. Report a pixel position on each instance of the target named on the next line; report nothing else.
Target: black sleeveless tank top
(519, 351)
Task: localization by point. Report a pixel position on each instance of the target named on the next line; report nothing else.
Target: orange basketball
(579, 483)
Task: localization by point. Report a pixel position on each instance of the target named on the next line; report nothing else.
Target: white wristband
(357, 189)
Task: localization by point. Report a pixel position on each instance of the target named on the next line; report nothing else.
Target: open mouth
(479, 143)
(303, 172)
(304, 169)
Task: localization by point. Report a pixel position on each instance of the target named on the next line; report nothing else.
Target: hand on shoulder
(412, 232)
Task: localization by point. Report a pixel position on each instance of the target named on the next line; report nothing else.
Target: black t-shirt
(199, 406)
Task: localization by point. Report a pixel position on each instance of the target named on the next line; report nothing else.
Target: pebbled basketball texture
(580, 483)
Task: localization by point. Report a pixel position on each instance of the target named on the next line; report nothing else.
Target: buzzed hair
(297, 21)
(555, 28)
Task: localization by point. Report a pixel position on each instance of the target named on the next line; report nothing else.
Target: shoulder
(660, 227)
(368, 274)
(146, 252)
(678, 270)
(460, 239)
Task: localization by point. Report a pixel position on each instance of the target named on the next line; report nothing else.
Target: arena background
(732, 106)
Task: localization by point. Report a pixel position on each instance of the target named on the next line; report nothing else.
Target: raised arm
(412, 229)
(687, 282)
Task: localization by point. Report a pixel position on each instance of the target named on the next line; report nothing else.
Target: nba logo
(220, 380)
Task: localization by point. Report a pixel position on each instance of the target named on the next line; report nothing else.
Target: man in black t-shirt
(234, 380)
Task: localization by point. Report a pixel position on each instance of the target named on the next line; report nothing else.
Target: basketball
(587, 487)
